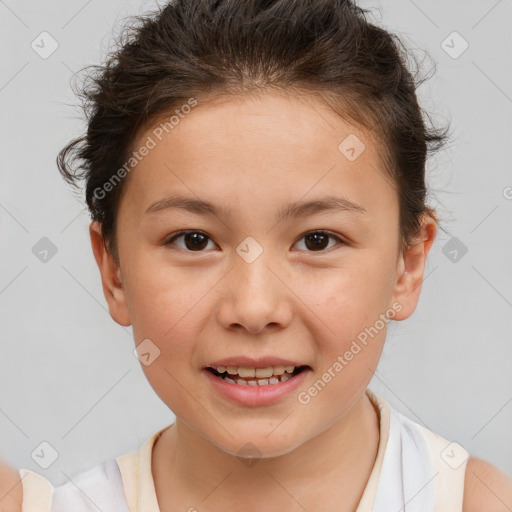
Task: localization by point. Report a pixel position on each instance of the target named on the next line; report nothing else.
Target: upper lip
(247, 362)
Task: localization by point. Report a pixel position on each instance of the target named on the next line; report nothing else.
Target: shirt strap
(37, 492)
(449, 460)
(128, 467)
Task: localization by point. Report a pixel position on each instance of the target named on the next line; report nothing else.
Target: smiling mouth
(249, 377)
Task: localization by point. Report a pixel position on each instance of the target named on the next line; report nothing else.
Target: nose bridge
(255, 295)
(252, 274)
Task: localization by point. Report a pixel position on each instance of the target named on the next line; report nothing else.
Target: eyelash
(174, 237)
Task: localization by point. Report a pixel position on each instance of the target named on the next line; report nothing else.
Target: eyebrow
(293, 210)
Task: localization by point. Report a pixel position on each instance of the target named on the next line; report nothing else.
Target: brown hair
(208, 49)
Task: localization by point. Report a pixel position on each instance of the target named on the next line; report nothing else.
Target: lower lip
(256, 395)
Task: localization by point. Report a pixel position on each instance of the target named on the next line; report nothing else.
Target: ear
(110, 277)
(410, 270)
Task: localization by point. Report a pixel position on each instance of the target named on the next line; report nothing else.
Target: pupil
(316, 238)
(198, 241)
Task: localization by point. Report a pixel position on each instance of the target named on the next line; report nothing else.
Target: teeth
(278, 370)
(274, 379)
(258, 373)
(246, 372)
(263, 373)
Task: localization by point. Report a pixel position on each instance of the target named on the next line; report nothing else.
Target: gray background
(67, 372)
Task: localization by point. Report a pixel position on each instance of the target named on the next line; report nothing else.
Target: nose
(256, 296)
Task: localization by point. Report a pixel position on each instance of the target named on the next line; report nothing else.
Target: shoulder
(486, 488)
(11, 489)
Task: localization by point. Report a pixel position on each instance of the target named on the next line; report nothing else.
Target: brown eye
(195, 241)
(318, 240)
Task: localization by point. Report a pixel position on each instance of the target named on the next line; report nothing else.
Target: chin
(258, 444)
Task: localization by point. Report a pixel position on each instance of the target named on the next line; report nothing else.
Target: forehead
(256, 151)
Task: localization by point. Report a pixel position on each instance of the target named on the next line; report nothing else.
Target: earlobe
(411, 267)
(110, 277)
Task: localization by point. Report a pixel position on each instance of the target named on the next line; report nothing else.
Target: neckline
(146, 485)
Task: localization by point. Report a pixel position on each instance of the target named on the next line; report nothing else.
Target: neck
(188, 469)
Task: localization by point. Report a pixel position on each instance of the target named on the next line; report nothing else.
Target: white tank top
(415, 470)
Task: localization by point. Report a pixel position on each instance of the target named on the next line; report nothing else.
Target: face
(316, 287)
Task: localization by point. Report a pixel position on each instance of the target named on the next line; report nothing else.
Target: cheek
(161, 297)
(349, 301)
(166, 311)
(350, 310)
(350, 338)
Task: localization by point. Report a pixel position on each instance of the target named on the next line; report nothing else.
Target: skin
(256, 155)
(11, 491)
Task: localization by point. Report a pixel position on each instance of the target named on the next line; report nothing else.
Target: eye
(194, 241)
(316, 240)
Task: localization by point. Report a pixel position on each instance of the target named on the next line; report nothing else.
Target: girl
(255, 172)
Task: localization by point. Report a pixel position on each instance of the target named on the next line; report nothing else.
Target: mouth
(244, 376)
